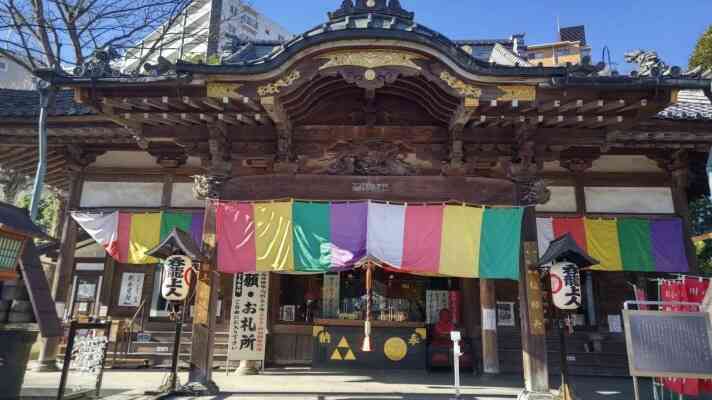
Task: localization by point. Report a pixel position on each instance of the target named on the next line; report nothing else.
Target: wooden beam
(261, 119)
(175, 119)
(155, 104)
(246, 119)
(554, 121)
(137, 103)
(601, 121)
(573, 105)
(228, 119)
(107, 101)
(190, 102)
(591, 106)
(571, 121)
(463, 114)
(207, 118)
(638, 104)
(173, 103)
(214, 104)
(276, 112)
(481, 120)
(192, 118)
(612, 106)
(548, 106)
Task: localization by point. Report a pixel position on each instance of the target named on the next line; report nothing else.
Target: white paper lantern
(566, 285)
(176, 281)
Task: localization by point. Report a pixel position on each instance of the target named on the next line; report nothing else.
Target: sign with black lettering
(667, 344)
(248, 322)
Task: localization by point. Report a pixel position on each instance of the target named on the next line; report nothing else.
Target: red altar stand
(440, 346)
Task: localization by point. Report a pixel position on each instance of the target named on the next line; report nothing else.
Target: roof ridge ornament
(383, 7)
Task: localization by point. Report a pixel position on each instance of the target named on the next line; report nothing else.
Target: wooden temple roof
(371, 71)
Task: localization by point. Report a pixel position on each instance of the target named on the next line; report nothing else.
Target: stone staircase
(154, 349)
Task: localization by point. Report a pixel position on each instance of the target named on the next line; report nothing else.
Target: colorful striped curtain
(317, 237)
(623, 244)
(137, 233)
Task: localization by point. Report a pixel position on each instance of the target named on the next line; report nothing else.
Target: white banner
(131, 290)
(248, 319)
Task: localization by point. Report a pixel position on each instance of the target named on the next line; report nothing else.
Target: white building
(14, 76)
(191, 35)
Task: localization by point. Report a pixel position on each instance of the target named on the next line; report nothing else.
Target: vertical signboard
(248, 320)
(131, 290)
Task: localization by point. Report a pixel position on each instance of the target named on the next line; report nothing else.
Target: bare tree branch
(59, 34)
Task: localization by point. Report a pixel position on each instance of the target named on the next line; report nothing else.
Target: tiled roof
(692, 105)
(26, 104)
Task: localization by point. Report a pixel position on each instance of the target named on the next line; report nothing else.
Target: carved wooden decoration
(276, 87)
(223, 89)
(371, 59)
(464, 89)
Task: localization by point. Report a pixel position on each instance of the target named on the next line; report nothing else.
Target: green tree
(12, 185)
(48, 210)
(701, 223)
(702, 55)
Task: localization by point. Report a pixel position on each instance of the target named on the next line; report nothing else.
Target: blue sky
(669, 27)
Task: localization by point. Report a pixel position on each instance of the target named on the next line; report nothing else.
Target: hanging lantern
(565, 285)
(16, 228)
(11, 246)
(177, 272)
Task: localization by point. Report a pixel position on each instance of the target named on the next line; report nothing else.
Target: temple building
(371, 156)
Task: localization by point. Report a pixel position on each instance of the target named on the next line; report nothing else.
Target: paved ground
(308, 384)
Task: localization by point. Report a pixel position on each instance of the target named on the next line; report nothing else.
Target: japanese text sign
(248, 322)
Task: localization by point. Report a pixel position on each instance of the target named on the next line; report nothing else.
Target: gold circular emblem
(371, 3)
(370, 75)
(395, 349)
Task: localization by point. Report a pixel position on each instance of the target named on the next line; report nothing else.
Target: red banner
(691, 290)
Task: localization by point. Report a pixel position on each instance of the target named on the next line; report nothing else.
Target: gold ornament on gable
(276, 87)
(371, 59)
(516, 92)
(461, 87)
(223, 89)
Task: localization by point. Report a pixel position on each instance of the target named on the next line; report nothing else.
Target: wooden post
(530, 191)
(63, 271)
(490, 351)
(206, 293)
(534, 352)
(206, 296)
(678, 168)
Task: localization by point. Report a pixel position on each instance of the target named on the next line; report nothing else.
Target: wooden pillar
(530, 191)
(206, 295)
(679, 167)
(534, 352)
(490, 350)
(61, 281)
(206, 299)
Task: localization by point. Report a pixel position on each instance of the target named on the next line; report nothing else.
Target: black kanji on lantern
(175, 269)
(572, 282)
